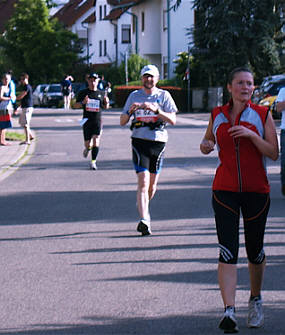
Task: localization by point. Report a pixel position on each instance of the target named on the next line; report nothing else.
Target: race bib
(146, 115)
(93, 105)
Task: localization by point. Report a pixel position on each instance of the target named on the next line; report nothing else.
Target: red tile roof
(6, 11)
(73, 10)
(117, 12)
(124, 2)
(90, 19)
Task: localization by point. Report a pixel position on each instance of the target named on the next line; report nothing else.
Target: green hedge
(178, 94)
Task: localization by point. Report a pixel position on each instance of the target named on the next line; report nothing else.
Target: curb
(20, 156)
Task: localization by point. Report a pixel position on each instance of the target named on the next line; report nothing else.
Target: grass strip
(14, 136)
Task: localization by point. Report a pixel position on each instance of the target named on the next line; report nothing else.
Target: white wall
(180, 20)
(149, 40)
(153, 43)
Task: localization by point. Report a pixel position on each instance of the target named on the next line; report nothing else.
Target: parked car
(261, 91)
(53, 96)
(76, 87)
(38, 94)
(270, 94)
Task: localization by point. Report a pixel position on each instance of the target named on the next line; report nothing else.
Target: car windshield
(42, 88)
(54, 89)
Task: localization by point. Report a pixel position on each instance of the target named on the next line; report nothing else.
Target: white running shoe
(229, 323)
(93, 166)
(255, 317)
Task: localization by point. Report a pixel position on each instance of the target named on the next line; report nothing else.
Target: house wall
(102, 33)
(180, 21)
(149, 37)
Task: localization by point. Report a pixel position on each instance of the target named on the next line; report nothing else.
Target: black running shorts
(147, 155)
(90, 128)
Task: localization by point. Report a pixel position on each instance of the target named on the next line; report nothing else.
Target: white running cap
(150, 69)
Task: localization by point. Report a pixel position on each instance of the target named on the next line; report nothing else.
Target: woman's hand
(242, 131)
(207, 146)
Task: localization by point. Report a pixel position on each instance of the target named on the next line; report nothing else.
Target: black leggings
(254, 208)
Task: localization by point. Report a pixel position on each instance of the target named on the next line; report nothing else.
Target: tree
(39, 46)
(234, 33)
(135, 64)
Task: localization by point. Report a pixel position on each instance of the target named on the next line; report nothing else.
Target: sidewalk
(12, 156)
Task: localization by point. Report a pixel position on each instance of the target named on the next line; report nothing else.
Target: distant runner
(92, 100)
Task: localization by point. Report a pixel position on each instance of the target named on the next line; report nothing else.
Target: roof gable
(115, 13)
(73, 10)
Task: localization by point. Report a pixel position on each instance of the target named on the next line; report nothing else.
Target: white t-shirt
(160, 97)
(280, 98)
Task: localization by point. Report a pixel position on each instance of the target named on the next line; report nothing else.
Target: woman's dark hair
(237, 70)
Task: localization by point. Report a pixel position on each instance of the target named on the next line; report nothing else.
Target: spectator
(26, 98)
(66, 89)
(6, 107)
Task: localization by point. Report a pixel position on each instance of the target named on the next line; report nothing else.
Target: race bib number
(93, 105)
(146, 116)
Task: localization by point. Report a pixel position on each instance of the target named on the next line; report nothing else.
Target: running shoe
(144, 228)
(255, 313)
(229, 323)
(93, 166)
(86, 152)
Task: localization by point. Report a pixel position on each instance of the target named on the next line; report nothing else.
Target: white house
(98, 36)
(158, 32)
(109, 29)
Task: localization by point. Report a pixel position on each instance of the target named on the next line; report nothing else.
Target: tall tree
(36, 45)
(230, 33)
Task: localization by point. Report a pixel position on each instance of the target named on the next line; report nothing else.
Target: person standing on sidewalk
(280, 107)
(151, 109)
(6, 107)
(27, 107)
(92, 100)
(245, 134)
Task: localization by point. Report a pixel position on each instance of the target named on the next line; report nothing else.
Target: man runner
(92, 100)
(151, 109)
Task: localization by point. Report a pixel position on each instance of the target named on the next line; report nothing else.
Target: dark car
(53, 96)
(76, 87)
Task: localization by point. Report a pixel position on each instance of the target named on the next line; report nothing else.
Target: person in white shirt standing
(280, 107)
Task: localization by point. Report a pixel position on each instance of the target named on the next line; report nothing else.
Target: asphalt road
(72, 261)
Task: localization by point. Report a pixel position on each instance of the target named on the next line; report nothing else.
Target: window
(142, 22)
(105, 10)
(100, 48)
(100, 13)
(126, 33)
(105, 48)
(164, 19)
(134, 24)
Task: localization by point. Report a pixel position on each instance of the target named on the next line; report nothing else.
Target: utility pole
(188, 83)
(126, 67)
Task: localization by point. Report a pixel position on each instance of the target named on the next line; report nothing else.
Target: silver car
(38, 94)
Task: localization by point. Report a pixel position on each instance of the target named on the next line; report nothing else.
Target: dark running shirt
(66, 87)
(27, 101)
(92, 110)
